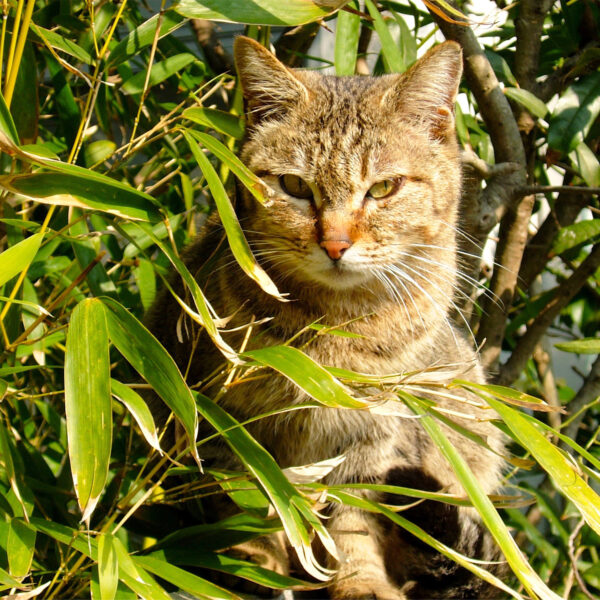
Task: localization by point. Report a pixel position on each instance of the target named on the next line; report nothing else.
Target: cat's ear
(270, 88)
(427, 91)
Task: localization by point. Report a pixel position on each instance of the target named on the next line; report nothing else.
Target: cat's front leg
(361, 572)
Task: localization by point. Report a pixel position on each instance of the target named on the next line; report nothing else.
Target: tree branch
(565, 292)
(216, 56)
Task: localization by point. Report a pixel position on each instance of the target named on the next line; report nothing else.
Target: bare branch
(564, 212)
(564, 293)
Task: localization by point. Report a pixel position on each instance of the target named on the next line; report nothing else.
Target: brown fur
(396, 280)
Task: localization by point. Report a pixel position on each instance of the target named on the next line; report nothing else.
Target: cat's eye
(295, 186)
(385, 188)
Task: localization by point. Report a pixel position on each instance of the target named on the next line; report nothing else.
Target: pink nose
(335, 248)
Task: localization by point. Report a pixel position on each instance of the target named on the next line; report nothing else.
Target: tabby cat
(363, 180)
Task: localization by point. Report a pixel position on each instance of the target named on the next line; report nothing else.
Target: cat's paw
(365, 590)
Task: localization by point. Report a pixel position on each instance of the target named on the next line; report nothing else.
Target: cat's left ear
(427, 91)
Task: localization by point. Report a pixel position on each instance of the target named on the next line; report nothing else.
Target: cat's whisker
(394, 269)
(393, 292)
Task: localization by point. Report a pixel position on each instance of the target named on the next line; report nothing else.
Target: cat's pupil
(385, 188)
(295, 186)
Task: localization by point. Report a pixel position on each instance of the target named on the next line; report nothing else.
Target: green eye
(385, 188)
(295, 186)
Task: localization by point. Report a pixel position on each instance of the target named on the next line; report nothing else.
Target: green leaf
(308, 375)
(71, 185)
(522, 569)
(158, 73)
(530, 101)
(82, 191)
(583, 232)
(292, 508)
(501, 68)
(554, 462)
(257, 12)
(222, 121)
(347, 31)
(88, 402)
(582, 346)
(146, 282)
(587, 164)
(184, 580)
(58, 42)
(204, 316)
(143, 36)
(7, 125)
(575, 113)
(20, 546)
(391, 53)
(137, 406)
(148, 357)
(408, 43)
(254, 184)
(235, 236)
(108, 566)
(18, 257)
(98, 152)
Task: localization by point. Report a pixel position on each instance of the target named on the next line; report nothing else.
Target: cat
(364, 181)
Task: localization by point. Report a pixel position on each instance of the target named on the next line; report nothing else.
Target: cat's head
(363, 172)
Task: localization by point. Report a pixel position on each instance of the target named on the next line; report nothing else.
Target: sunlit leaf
(88, 402)
(347, 31)
(258, 12)
(577, 109)
(391, 53)
(137, 406)
(20, 546)
(158, 73)
(237, 241)
(222, 121)
(18, 257)
(108, 566)
(308, 375)
(582, 232)
(148, 357)
(582, 346)
(530, 101)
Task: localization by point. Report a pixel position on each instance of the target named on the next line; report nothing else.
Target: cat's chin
(337, 277)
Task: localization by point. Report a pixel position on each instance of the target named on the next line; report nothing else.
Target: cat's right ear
(270, 88)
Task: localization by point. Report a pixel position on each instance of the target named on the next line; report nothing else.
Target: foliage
(116, 138)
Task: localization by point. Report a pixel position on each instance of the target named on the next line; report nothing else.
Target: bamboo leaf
(7, 125)
(184, 580)
(258, 12)
(308, 375)
(237, 242)
(98, 152)
(18, 257)
(205, 313)
(292, 508)
(142, 36)
(254, 184)
(391, 53)
(19, 547)
(158, 73)
(522, 569)
(222, 121)
(554, 462)
(108, 566)
(137, 406)
(88, 402)
(347, 31)
(58, 42)
(148, 357)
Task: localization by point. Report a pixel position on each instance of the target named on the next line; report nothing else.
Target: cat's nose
(335, 248)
